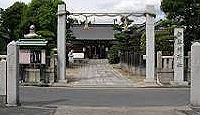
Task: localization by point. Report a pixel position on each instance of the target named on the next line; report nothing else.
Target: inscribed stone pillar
(195, 72)
(178, 56)
(12, 74)
(61, 47)
(150, 41)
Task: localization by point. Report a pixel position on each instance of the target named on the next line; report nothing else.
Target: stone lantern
(31, 33)
(32, 57)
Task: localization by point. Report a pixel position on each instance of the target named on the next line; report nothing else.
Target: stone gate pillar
(195, 72)
(12, 74)
(61, 45)
(150, 44)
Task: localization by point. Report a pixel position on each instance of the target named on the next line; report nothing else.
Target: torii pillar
(150, 44)
(61, 46)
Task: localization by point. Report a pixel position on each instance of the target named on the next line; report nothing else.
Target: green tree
(4, 38)
(113, 56)
(164, 37)
(11, 20)
(1, 20)
(17, 19)
(128, 35)
(42, 14)
(184, 13)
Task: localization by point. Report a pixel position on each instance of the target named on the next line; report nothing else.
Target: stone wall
(141, 71)
(165, 71)
(165, 68)
(2, 82)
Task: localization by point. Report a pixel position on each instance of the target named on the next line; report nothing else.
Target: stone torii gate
(150, 40)
(13, 59)
(13, 54)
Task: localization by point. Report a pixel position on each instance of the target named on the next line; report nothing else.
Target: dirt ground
(72, 73)
(127, 74)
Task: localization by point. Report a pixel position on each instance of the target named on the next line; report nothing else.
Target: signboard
(43, 59)
(78, 55)
(178, 55)
(24, 56)
(32, 56)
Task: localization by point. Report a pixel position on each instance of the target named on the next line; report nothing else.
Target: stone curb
(98, 87)
(169, 110)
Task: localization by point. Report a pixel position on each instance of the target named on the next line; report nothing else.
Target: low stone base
(9, 105)
(32, 75)
(62, 81)
(149, 80)
(13, 104)
(175, 83)
(150, 83)
(2, 100)
(36, 84)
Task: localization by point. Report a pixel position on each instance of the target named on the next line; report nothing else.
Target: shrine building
(94, 41)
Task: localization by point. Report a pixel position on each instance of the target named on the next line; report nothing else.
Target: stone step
(98, 61)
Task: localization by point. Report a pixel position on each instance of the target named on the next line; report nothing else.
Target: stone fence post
(159, 65)
(12, 74)
(195, 72)
(3, 81)
(159, 60)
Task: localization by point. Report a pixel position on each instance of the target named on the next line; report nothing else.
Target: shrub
(113, 57)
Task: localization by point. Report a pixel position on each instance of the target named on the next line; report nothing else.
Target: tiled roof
(94, 32)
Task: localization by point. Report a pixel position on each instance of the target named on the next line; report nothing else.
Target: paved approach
(100, 73)
(66, 101)
(132, 97)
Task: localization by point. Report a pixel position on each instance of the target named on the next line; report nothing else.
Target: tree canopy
(164, 31)
(11, 20)
(42, 14)
(128, 35)
(184, 13)
(16, 20)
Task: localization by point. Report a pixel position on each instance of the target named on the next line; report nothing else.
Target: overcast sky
(102, 6)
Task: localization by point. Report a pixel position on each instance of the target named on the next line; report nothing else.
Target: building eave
(32, 42)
